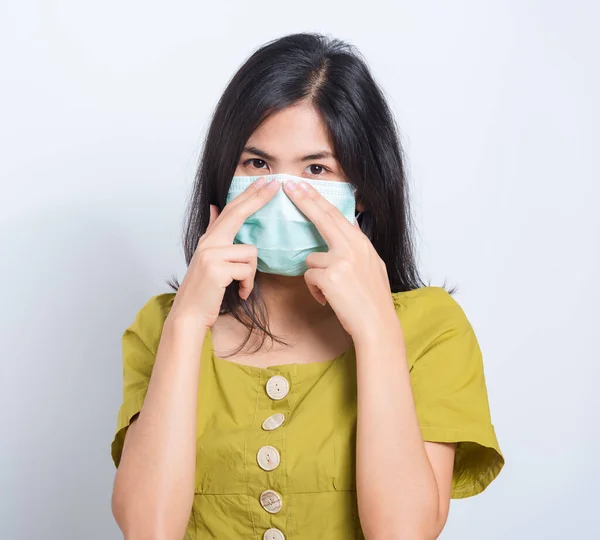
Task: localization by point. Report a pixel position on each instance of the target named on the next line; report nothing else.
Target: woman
(302, 382)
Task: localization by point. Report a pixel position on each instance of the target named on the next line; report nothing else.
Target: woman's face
(292, 141)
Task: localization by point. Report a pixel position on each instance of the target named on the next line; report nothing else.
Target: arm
(154, 484)
(403, 484)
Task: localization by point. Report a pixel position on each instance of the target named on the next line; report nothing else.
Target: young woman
(302, 382)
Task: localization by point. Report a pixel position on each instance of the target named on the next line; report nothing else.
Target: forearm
(396, 487)
(154, 484)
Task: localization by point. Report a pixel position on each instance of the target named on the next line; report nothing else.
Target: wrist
(185, 327)
(380, 333)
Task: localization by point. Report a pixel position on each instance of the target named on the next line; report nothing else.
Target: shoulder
(431, 316)
(155, 310)
(432, 306)
(149, 320)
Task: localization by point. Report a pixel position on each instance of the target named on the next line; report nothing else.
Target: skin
(344, 297)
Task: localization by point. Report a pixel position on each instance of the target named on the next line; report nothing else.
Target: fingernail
(291, 184)
(304, 185)
(260, 182)
(273, 184)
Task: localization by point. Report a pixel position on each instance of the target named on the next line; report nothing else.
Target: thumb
(311, 276)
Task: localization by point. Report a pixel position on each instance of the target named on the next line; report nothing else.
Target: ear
(214, 214)
(355, 223)
(359, 208)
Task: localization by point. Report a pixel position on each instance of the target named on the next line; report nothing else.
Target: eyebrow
(262, 154)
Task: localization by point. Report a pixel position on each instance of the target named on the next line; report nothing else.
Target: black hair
(332, 76)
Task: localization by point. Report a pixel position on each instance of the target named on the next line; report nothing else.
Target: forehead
(297, 129)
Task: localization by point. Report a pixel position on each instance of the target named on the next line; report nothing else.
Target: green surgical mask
(283, 235)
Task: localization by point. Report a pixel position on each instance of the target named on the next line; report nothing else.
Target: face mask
(283, 235)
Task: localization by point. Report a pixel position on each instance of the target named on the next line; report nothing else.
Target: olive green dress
(276, 445)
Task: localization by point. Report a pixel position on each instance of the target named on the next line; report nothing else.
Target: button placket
(268, 457)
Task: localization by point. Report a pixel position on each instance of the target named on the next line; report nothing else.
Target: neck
(289, 302)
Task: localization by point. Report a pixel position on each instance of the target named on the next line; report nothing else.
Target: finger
(243, 206)
(215, 212)
(247, 283)
(239, 254)
(244, 273)
(326, 217)
(234, 253)
(317, 259)
(313, 277)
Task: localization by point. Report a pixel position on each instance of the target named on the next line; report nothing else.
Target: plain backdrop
(102, 113)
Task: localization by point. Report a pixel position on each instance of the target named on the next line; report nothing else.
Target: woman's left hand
(350, 276)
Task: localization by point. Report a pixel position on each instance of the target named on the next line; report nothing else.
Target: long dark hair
(333, 77)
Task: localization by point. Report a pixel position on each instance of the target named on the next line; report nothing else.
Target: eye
(314, 166)
(254, 162)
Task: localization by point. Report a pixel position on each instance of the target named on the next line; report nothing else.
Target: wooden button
(273, 421)
(273, 534)
(271, 501)
(277, 387)
(268, 458)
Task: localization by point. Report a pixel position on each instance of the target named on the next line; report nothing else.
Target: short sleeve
(139, 345)
(449, 387)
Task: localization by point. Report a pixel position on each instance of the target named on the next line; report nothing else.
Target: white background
(102, 112)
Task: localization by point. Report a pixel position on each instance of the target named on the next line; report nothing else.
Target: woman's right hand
(217, 261)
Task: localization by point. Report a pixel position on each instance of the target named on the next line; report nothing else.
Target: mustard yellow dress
(276, 445)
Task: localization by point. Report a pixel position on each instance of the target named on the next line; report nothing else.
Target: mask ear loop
(357, 216)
